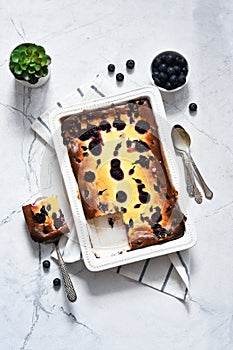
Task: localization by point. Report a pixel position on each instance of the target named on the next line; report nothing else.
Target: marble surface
(113, 312)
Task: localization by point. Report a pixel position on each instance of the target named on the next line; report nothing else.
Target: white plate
(103, 247)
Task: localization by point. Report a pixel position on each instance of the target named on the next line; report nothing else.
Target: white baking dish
(102, 246)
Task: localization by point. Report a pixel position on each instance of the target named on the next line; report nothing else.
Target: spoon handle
(189, 185)
(207, 191)
(197, 193)
(70, 292)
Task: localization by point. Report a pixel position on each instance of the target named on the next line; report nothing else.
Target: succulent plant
(29, 62)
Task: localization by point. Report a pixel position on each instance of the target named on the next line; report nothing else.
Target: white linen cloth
(168, 274)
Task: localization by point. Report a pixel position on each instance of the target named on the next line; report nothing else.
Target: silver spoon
(181, 145)
(186, 138)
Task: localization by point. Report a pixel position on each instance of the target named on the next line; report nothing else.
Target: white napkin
(168, 274)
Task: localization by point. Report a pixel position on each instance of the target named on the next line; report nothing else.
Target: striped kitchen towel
(168, 274)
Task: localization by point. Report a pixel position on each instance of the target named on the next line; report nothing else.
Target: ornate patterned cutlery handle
(207, 191)
(197, 193)
(70, 292)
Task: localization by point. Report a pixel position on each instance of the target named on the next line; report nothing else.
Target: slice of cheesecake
(45, 220)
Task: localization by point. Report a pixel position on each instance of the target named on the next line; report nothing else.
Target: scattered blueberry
(193, 107)
(56, 282)
(130, 64)
(46, 264)
(111, 68)
(120, 77)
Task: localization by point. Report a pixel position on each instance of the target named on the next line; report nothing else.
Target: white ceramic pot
(40, 82)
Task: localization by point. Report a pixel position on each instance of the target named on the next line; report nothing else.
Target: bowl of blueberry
(169, 71)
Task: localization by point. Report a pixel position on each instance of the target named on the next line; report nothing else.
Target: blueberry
(49, 207)
(173, 79)
(140, 188)
(162, 67)
(111, 68)
(46, 264)
(168, 86)
(120, 77)
(115, 163)
(157, 81)
(182, 62)
(193, 107)
(58, 223)
(185, 70)
(142, 127)
(95, 147)
(155, 74)
(117, 174)
(170, 70)
(156, 217)
(89, 176)
(130, 64)
(40, 218)
(56, 282)
(163, 77)
(181, 79)
(105, 126)
(177, 69)
(121, 196)
(169, 58)
(156, 62)
(163, 57)
(85, 134)
(143, 161)
(144, 197)
(141, 146)
(119, 124)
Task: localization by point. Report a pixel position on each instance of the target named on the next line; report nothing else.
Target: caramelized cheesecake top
(118, 161)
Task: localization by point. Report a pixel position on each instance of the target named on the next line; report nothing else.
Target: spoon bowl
(182, 143)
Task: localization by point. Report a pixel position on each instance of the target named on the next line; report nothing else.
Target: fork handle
(70, 292)
(207, 191)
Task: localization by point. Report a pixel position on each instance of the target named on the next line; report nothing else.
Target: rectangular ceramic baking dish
(103, 247)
